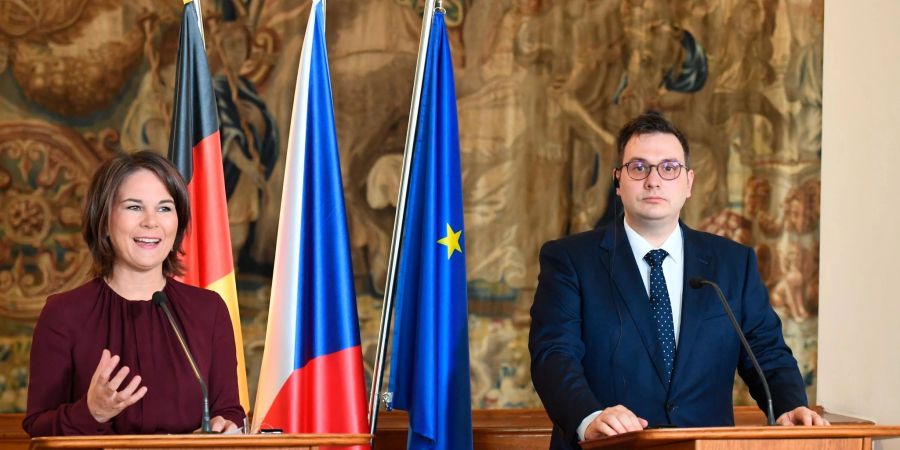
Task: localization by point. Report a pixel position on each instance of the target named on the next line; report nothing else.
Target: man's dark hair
(649, 123)
(101, 197)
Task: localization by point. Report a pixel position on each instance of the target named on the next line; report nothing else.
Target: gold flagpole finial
(187, 1)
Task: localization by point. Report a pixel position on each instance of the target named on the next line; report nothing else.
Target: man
(619, 343)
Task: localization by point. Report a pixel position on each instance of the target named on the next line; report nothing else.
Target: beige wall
(859, 330)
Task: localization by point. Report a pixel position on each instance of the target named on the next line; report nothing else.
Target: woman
(104, 359)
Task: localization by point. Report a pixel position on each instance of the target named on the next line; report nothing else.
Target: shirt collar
(673, 245)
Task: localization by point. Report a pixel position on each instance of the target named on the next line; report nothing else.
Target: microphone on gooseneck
(160, 299)
(697, 283)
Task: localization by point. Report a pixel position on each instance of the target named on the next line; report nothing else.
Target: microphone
(160, 299)
(697, 283)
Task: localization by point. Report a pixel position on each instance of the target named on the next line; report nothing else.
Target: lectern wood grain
(191, 441)
(836, 437)
(795, 444)
(519, 429)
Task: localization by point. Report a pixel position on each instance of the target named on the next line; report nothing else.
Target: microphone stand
(159, 299)
(697, 283)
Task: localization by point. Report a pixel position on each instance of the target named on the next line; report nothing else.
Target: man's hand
(801, 415)
(104, 399)
(612, 421)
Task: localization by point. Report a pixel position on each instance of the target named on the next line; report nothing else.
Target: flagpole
(199, 20)
(388, 305)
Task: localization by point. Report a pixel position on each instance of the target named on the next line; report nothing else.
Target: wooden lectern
(189, 441)
(835, 437)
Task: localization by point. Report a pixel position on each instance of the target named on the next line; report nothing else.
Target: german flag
(195, 149)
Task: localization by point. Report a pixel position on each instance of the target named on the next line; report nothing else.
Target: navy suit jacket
(593, 345)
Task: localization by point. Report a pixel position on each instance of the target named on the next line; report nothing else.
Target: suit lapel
(696, 304)
(633, 294)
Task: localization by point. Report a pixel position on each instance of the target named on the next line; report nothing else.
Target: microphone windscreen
(696, 282)
(159, 298)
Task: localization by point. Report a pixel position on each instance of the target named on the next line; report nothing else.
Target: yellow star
(451, 241)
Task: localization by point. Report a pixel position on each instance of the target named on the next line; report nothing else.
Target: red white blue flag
(311, 379)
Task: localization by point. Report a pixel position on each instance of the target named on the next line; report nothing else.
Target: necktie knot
(655, 257)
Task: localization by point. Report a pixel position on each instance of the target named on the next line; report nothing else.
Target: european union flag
(430, 360)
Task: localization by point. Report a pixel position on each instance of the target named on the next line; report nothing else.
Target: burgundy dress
(76, 326)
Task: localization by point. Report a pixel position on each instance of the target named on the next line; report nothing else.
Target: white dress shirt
(673, 267)
(673, 271)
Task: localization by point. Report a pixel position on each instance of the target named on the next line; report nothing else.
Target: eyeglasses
(667, 170)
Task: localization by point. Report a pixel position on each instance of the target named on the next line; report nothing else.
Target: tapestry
(543, 86)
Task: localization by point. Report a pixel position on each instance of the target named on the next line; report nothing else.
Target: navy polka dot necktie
(661, 310)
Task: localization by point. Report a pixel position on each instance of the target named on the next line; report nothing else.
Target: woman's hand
(220, 424)
(104, 398)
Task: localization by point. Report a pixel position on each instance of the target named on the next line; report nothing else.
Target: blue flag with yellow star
(430, 359)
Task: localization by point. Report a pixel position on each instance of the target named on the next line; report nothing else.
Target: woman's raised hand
(104, 399)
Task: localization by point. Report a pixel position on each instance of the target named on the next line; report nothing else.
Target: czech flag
(311, 380)
(195, 150)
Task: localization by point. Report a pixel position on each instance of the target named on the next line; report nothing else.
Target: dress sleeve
(223, 387)
(51, 409)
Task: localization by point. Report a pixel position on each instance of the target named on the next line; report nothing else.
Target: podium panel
(520, 429)
(835, 437)
(190, 441)
(778, 444)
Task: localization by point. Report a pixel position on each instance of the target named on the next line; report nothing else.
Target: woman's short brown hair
(101, 197)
